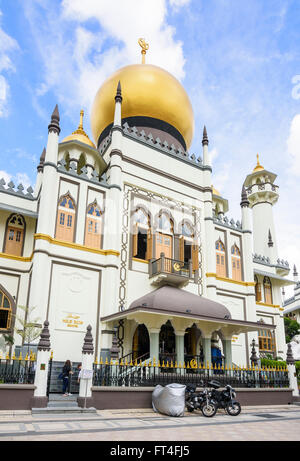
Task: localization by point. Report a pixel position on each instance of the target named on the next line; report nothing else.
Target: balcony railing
(172, 270)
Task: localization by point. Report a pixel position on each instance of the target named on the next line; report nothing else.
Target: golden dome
(80, 134)
(258, 167)
(147, 91)
(215, 191)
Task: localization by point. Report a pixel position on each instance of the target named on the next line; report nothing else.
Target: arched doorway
(217, 355)
(141, 343)
(167, 343)
(193, 349)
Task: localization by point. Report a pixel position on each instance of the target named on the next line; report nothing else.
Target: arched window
(258, 293)
(164, 236)
(188, 250)
(268, 291)
(15, 231)
(93, 226)
(236, 263)
(266, 340)
(5, 311)
(65, 223)
(220, 259)
(142, 235)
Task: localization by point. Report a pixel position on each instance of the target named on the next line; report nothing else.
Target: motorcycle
(199, 401)
(224, 399)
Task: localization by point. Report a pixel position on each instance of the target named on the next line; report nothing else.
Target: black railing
(17, 370)
(171, 266)
(132, 356)
(152, 374)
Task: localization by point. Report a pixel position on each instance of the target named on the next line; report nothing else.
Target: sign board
(86, 374)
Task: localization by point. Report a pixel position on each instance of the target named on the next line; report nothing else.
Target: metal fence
(131, 374)
(17, 370)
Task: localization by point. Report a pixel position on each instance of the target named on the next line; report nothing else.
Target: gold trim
(16, 258)
(140, 260)
(75, 246)
(268, 305)
(225, 279)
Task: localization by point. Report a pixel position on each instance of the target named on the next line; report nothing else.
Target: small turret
(262, 194)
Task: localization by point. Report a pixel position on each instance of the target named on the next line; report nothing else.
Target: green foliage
(31, 328)
(81, 163)
(291, 328)
(9, 340)
(273, 363)
(67, 160)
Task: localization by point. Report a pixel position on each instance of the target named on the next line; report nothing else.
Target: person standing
(66, 375)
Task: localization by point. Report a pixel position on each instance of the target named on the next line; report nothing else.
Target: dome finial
(258, 167)
(80, 127)
(145, 47)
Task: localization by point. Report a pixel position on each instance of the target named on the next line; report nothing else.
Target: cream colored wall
(73, 302)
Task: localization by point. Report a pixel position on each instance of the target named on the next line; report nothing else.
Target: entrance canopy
(169, 302)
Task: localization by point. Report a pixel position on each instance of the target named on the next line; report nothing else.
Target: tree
(6, 340)
(291, 328)
(31, 328)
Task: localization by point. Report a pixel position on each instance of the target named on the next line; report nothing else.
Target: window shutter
(181, 249)
(149, 245)
(195, 257)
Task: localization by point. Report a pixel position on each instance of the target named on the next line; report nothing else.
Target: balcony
(169, 271)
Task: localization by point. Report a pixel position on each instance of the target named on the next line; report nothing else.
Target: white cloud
(178, 3)
(87, 41)
(6, 176)
(293, 144)
(18, 178)
(7, 45)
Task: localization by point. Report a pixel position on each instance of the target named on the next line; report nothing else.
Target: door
(14, 241)
(164, 245)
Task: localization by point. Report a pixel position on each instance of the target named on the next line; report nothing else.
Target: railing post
(151, 267)
(190, 269)
(40, 399)
(86, 381)
(162, 262)
(290, 362)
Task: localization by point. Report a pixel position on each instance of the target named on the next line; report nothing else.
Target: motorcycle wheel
(208, 410)
(233, 409)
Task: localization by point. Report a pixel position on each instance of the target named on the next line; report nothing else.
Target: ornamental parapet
(163, 146)
(18, 192)
(224, 221)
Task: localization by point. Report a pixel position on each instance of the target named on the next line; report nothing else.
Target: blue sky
(239, 62)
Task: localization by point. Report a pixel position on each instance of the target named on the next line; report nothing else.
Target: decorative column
(290, 362)
(154, 343)
(227, 345)
(40, 398)
(85, 388)
(179, 338)
(207, 350)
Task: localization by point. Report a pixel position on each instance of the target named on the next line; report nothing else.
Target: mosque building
(127, 234)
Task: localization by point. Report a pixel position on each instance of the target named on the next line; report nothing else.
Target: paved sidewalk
(254, 423)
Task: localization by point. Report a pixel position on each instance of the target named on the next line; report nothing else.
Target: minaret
(205, 141)
(47, 209)
(41, 263)
(295, 274)
(113, 213)
(210, 259)
(262, 194)
(40, 169)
